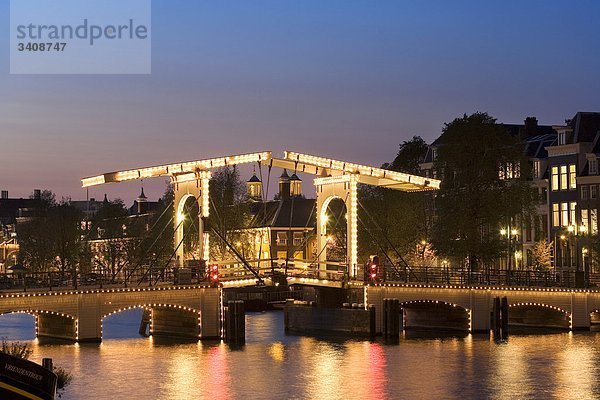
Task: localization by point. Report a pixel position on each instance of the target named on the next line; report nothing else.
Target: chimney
(531, 124)
(4, 194)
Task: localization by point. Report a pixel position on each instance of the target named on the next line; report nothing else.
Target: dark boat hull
(22, 379)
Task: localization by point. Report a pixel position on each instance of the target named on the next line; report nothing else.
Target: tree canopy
(484, 186)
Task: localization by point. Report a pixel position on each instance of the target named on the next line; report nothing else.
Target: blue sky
(346, 79)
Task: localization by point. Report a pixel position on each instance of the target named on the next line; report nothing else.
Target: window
(564, 208)
(536, 169)
(593, 167)
(562, 138)
(554, 178)
(555, 215)
(281, 239)
(563, 177)
(594, 222)
(572, 177)
(572, 207)
(593, 191)
(282, 255)
(298, 255)
(585, 192)
(585, 218)
(433, 154)
(509, 171)
(298, 238)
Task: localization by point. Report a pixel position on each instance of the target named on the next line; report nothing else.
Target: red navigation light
(373, 267)
(214, 275)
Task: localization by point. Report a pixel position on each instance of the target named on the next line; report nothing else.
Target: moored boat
(25, 380)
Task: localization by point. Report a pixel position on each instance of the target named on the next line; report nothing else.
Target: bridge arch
(342, 187)
(161, 316)
(51, 324)
(539, 315)
(435, 314)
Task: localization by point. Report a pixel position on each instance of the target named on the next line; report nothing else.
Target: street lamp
(509, 233)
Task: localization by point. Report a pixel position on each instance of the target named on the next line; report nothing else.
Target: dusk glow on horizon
(349, 80)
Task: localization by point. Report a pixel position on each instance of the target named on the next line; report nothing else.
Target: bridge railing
(488, 276)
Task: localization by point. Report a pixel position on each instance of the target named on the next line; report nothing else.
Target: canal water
(275, 366)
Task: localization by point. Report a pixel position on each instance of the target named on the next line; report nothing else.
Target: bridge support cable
(146, 252)
(287, 253)
(162, 272)
(234, 251)
(387, 239)
(163, 247)
(265, 196)
(376, 243)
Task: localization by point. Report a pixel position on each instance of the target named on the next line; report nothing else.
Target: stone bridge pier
(190, 311)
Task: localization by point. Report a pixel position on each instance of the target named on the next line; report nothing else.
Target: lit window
(281, 238)
(298, 237)
(594, 222)
(562, 138)
(585, 218)
(555, 215)
(563, 177)
(554, 179)
(593, 191)
(564, 207)
(572, 207)
(572, 177)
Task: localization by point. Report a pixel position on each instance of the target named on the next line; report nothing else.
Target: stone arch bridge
(574, 307)
(189, 311)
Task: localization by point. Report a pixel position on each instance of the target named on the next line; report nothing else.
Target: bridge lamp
(503, 232)
(570, 228)
(583, 229)
(562, 237)
(514, 232)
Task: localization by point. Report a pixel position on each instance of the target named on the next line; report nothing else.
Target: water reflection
(275, 366)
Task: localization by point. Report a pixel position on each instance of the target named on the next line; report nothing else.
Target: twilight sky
(340, 78)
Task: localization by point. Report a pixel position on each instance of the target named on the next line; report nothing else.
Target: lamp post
(509, 233)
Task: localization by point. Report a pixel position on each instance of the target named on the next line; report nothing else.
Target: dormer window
(433, 154)
(593, 167)
(562, 138)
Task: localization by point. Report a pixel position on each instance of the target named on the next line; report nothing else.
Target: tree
(110, 228)
(484, 186)
(410, 155)
(229, 212)
(35, 235)
(400, 220)
(64, 222)
(541, 255)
